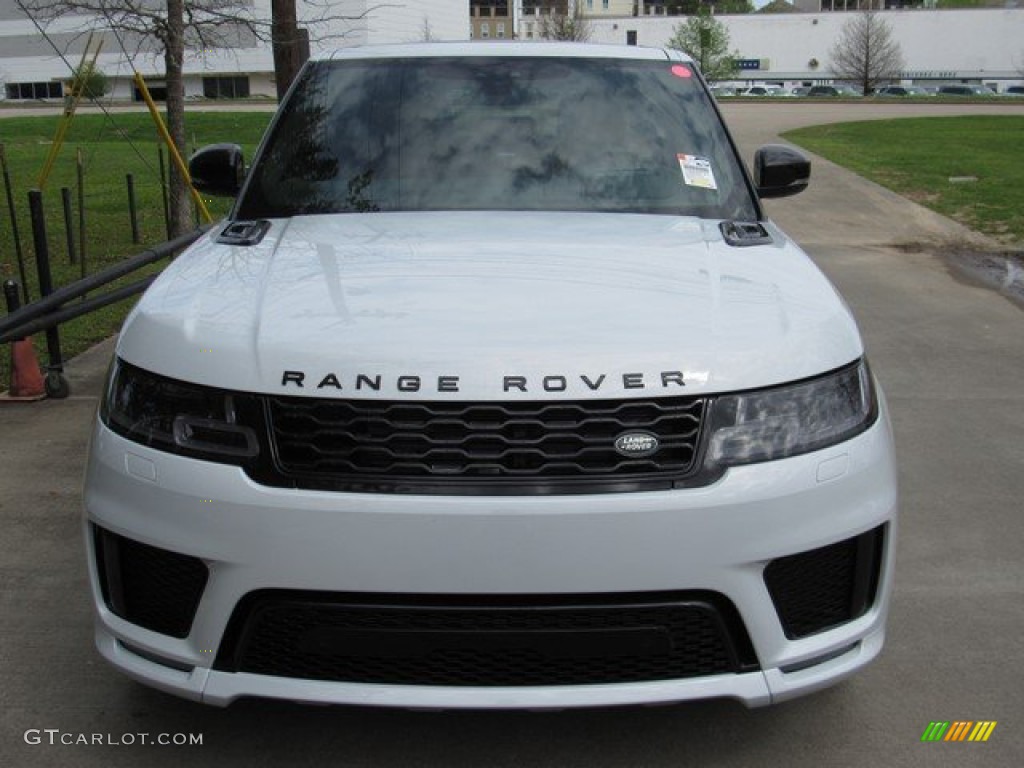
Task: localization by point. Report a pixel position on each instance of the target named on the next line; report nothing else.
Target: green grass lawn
(110, 149)
(968, 168)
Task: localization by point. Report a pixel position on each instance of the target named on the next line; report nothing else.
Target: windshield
(488, 133)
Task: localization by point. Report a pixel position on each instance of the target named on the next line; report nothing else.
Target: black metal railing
(50, 311)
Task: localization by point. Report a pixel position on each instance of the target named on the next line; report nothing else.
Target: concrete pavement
(950, 357)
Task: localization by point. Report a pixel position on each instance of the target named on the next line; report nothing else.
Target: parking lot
(950, 356)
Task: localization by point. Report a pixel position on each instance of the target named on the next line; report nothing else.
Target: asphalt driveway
(951, 359)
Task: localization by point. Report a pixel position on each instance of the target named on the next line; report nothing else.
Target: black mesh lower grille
(492, 641)
(479, 447)
(822, 588)
(151, 587)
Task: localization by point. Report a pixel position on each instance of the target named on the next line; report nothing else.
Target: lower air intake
(823, 588)
(153, 588)
(485, 641)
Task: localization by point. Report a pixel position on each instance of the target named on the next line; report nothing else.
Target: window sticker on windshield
(697, 171)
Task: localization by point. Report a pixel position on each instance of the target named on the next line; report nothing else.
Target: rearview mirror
(780, 171)
(218, 169)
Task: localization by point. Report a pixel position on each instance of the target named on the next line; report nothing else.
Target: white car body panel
(483, 296)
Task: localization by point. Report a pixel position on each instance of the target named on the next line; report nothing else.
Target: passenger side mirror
(780, 171)
(218, 169)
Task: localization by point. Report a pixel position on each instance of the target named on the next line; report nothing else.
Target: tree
(284, 31)
(571, 26)
(90, 82)
(778, 6)
(707, 40)
(865, 52)
(733, 6)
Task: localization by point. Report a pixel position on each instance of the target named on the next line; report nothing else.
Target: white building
(981, 45)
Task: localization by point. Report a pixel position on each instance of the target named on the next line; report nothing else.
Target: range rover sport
(496, 388)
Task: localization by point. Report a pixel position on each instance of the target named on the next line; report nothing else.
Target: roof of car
(483, 49)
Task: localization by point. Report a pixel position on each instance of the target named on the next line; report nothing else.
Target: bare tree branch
(572, 25)
(865, 52)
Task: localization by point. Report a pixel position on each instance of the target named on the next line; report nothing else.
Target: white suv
(496, 389)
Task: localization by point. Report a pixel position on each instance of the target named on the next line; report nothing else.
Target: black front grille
(485, 641)
(544, 447)
(823, 588)
(154, 588)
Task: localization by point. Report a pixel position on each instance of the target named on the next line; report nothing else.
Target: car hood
(490, 306)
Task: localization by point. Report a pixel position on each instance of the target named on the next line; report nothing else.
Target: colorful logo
(959, 730)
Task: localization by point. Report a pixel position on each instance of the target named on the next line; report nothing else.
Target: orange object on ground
(26, 377)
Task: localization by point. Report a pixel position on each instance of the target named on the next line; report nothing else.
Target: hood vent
(743, 233)
(243, 232)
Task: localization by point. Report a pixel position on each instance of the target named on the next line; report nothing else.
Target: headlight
(786, 421)
(176, 416)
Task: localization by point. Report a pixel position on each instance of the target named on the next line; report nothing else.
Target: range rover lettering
(496, 388)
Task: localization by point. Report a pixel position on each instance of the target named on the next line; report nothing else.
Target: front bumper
(716, 539)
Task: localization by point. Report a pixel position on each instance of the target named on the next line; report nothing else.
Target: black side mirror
(780, 171)
(218, 169)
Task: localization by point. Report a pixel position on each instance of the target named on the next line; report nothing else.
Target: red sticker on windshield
(680, 71)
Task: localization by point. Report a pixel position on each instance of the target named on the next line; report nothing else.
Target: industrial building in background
(790, 45)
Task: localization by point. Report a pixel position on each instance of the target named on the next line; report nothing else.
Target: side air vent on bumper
(485, 640)
(153, 588)
(823, 588)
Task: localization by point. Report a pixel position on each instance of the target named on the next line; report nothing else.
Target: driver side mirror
(218, 169)
(780, 171)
